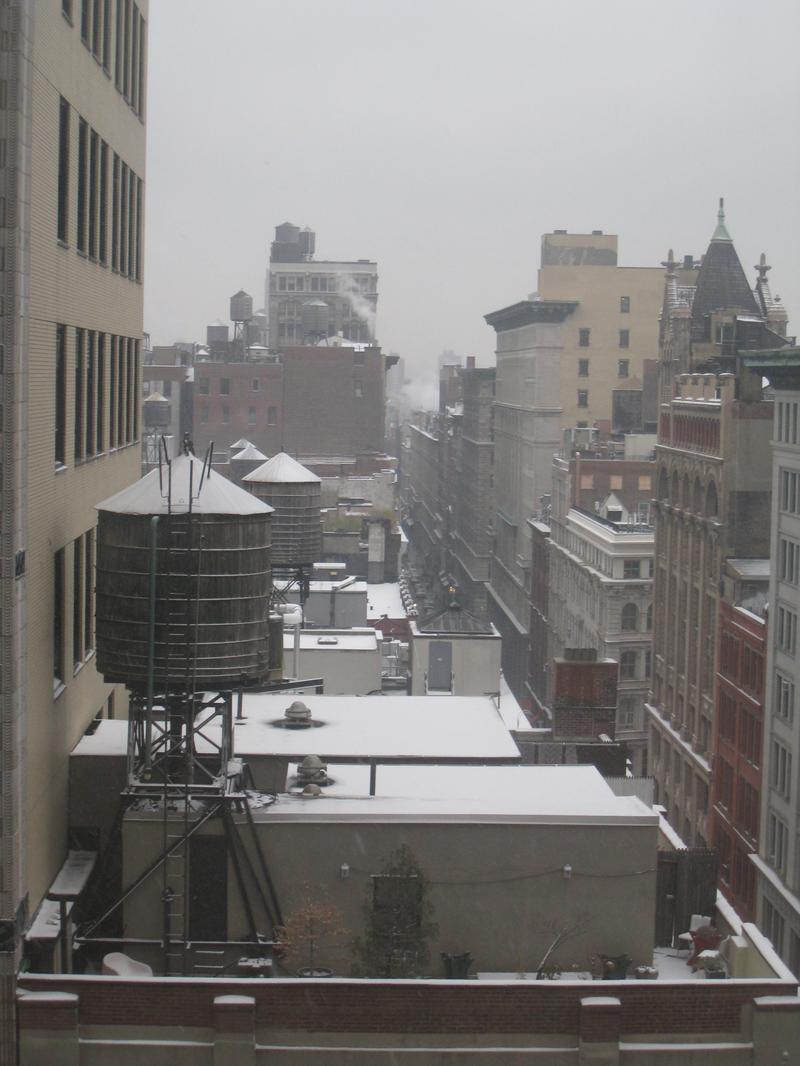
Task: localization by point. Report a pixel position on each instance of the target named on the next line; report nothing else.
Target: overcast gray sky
(443, 137)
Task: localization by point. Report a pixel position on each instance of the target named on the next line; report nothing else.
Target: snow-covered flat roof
(542, 794)
(425, 727)
(330, 640)
(385, 599)
(110, 738)
(572, 791)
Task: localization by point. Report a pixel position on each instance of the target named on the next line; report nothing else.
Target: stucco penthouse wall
(497, 890)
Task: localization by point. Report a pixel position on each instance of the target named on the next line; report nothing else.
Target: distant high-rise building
(309, 299)
(72, 130)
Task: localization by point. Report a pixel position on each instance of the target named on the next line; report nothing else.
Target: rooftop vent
(298, 715)
(313, 771)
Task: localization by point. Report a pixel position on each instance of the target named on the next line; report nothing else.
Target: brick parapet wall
(409, 1006)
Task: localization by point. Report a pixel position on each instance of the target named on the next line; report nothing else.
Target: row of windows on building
(585, 340)
(774, 928)
(108, 199)
(269, 415)
(741, 663)
(787, 430)
(105, 373)
(623, 369)
(73, 565)
(97, 24)
(321, 283)
(354, 329)
(739, 727)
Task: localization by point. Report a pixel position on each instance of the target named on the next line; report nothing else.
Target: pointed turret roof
(249, 454)
(282, 468)
(721, 282)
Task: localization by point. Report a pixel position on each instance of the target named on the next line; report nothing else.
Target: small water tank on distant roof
(157, 411)
(213, 581)
(294, 493)
(216, 333)
(287, 233)
(316, 316)
(241, 306)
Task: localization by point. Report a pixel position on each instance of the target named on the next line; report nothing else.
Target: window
(61, 396)
(627, 665)
(587, 481)
(79, 443)
(115, 210)
(90, 393)
(102, 249)
(583, 368)
(626, 718)
(750, 737)
(790, 491)
(786, 635)
(83, 166)
(58, 618)
(783, 698)
(583, 338)
(202, 386)
(773, 925)
(62, 213)
(624, 342)
(724, 775)
(204, 413)
(66, 8)
(623, 367)
(727, 716)
(256, 385)
(631, 569)
(224, 386)
(226, 415)
(106, 34)
(583, 398)
(166, 389)
(358, 390)
(251, 416)
(82, 597)
(624, 304)
(645, 483)
(94, 175)
(272, 416)
(780, 776)
(615, 482)
(788, 560)
(85, 20)
(630, 617)
(777, 843)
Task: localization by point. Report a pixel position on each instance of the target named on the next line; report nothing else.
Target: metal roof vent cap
(298, 715)
(312, 770)
(312, 791)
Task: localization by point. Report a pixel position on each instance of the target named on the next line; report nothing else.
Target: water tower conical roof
(216, 496)
(282, 468)
(250, 453)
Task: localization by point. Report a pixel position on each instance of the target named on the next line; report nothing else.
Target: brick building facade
(738, 727)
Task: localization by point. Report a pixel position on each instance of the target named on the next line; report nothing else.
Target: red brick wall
(409, 1007)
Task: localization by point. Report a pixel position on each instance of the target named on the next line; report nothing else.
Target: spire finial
(670, 263)
(721, 232)
(762, 267)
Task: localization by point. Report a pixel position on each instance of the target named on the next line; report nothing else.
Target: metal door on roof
(440, 666)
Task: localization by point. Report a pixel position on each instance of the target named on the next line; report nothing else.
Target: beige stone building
(72, 192)
(580, 352)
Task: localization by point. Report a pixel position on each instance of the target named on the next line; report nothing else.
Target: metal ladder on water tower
(179, 667)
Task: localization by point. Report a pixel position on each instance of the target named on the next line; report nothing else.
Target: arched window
(697, 505)
(712, 505)
(630, 617)
(649, 618)
(663, 484)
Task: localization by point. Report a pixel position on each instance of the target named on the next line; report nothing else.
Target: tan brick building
(71, 182)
